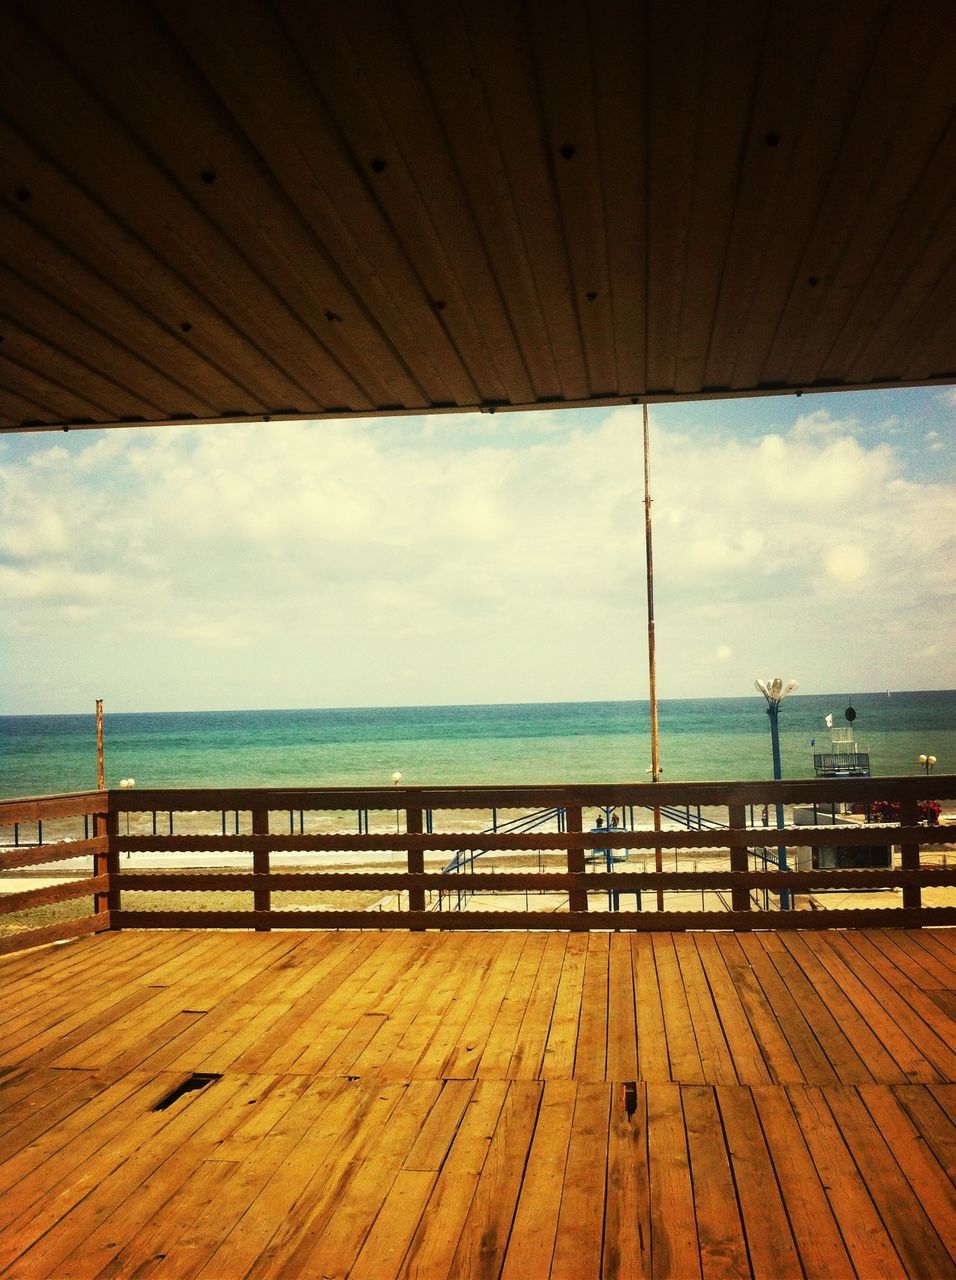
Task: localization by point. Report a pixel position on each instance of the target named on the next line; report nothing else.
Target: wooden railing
(110, 883)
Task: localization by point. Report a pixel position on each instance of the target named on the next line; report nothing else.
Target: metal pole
(773, 711)
(100, 768)
(651, 649)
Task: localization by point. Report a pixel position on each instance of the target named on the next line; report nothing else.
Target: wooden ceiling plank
(563, 55)
(499, 41)
(17, 409)
(794, 36)
(927, 345)
(732, 47)
(619, 74)
(441, 41)
(66, 327)
(421, 195)
(186, 377)
(69, 123)
(339, 59)
(34, 336)
(676, 40)
(64, 403)
(257, 210)
(885, 147)
(211, 184)
(294, 137)
(787, 286)
(914, 257)
(66, 214)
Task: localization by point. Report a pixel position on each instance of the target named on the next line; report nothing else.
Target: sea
(557, 742)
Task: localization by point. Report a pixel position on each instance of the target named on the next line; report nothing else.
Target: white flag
(830, 721)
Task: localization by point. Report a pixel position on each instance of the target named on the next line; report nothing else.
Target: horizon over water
(507, 743)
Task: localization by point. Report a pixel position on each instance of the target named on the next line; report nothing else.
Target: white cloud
(467, 558)
(847, 563)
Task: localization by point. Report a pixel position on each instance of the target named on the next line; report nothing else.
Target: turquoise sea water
(720, 738)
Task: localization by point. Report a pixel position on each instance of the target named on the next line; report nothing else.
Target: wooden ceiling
(232, 209)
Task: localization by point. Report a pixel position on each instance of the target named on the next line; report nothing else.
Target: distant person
(598, 829)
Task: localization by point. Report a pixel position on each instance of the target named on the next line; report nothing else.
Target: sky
(481, 558)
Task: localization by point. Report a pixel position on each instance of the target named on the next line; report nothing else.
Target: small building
(844, 759)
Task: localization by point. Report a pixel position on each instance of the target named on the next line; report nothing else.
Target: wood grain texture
(438, 1105)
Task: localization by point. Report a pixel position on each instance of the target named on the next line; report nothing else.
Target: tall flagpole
(651, 651)
(100, 771)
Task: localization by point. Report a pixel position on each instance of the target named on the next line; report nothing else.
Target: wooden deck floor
(515, 1105)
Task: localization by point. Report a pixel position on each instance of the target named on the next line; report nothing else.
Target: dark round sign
(850, 714)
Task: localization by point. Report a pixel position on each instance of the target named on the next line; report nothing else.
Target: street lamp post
(926, 763)
(775, 691)
(396, 779)
(126, 784)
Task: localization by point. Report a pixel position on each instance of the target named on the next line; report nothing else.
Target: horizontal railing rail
(89, 889)
(592, 889)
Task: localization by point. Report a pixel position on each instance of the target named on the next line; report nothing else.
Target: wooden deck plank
(720, 1235)
(566, 1171)
(852, 1022)
(903, 1215)
(899, 1001)
(327, 1021)
(923, 969)
(484, 1235)
(449, 981)
(48, 1106)
(815, 1231)
(16, 1084)
(742, 1044)
(30, 1174)
(358, 1200)
(148, 1246)
(627, 1208)
(886, 1036)
(621, 1012)
(931, 1186)
(435, 1243)
(674, 1244)
(388, 1011)
(773, 1252)
(774, 1046)
(590, 1059)
(936, 1126)
(66, 1221)
(937, 942)
(870, 1248)
(848, 1065)
(324, 1109)
(466, 1053)
(561, 1046)
(438, 1132)
(715, 1057)
(653, 1061)
(502, 1036)
(813, 1061)
(441, 1044)
(682, 1049)
(531, 1041)
(580, 1227)
(321, 973)
(531, 1244)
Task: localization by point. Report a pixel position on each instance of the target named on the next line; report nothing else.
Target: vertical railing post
(909, 856)
(107, 863)
(415, 861)
(262, 898)
(578, 894)
(737, 838)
